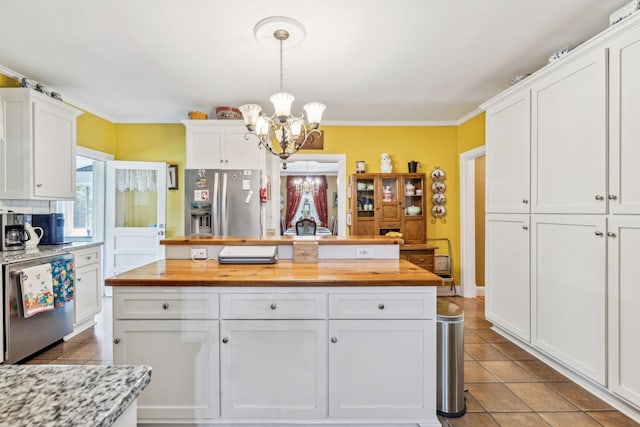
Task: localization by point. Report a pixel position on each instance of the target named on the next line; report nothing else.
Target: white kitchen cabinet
(184, 357)
(569, 291)
(508, 298)
(221, 144)
(382, 369)
(624, 316)
(569, 137)
(88, 287)
(273, 369)
(508, 154)
(624, 126)
(39, 145)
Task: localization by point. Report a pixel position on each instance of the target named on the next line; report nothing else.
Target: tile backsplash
(28, 206)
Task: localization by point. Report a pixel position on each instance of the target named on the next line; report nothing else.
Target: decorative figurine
(385, 163)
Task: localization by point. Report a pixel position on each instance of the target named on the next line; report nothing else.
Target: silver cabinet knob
(79, 279)
(225, 340)
(525, 201)
(38, 185)
(612, 197)
(524, 227)
(598, 233)
(421, 260)
(381, 306)
(334, 340)
(165, 306)
(273, 306)
(611, 234)
(116, 340)
(599, 197)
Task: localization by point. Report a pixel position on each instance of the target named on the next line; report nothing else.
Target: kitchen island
(98, 396)
(336, 341)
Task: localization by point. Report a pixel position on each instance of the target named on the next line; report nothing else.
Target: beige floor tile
(542, 370)
(58, 350)
(496, 397)
(68, 362)
(467, 356)
(470, 337)
(568, 419)
(485, 352)
(472, 403)
(490, 336)
(474, 372)
(541, 397)
(473, 420)
(84, 351)
(508, 371)
(513, 351)
(613, 419)
(513, 419)
(476, 323)
(580, 397)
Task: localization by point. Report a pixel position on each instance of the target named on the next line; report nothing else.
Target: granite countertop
(182, 272)
(7, 257)
(38, 395)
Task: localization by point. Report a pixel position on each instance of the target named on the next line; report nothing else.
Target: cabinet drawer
(165, 306)
(389, 224)
(273, 306)
(422, 261)
(90, 256)
(382, 306)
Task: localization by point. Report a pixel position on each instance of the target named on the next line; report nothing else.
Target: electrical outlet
(363, 253)
(198, 253)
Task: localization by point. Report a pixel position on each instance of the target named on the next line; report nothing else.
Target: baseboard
(479, 291)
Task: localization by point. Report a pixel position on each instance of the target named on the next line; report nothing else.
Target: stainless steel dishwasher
(26, 336)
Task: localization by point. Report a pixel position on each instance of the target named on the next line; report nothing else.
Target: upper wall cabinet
(569, 137)
(220, 144)
(624, 126)
(37, 150)
(508, 154)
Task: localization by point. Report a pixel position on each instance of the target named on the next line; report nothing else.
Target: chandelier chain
(281, 69)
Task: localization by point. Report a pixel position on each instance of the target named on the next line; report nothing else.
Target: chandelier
(307, 185)
(282, 133)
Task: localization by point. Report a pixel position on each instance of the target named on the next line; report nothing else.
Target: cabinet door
(388, 203)
(624, 317)
(273, 368)
(382, 369)
(184, 358)
(413, 208)
(508, 154)
(15, 154)
(54, 151)
(624, 126)
(88, 295)
(203, 147)
(569, 136)
(508, 294)
(569, 290)
(241, 153)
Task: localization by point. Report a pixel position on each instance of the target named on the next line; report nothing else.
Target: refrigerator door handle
(224, 215)
(216, 208)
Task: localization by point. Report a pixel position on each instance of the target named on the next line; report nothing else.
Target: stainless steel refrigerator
(222, 202)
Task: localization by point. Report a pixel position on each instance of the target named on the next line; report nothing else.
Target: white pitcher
(33, 233)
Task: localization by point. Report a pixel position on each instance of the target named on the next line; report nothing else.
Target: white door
(135, 214)
(382, 369)
(273, 369)
(184, 357)
(508, 295)
(624, 317)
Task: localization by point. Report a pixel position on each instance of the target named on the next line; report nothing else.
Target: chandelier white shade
(282, 133)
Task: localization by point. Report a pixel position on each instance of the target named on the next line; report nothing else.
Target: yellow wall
(157, 143)
(96, 133)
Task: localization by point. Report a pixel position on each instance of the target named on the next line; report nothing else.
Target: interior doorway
(471, 223)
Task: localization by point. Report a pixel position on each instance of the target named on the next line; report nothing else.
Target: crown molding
(469, 116)
(389, 123)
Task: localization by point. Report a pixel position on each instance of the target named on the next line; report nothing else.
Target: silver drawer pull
(525, 201)
(524, 227)
(421, 260)
(225, 340)
(612, 197)
(116, 340)
(611, 234)
(598, 233)
(381, 306)
(273, 306)
(334, 340)
(88, 257)
(599, 197)
(165, 306)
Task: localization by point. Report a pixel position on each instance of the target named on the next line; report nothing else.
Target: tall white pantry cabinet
(563, 212)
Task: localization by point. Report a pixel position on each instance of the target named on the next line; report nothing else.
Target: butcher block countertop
(280, 240)
(182, 272)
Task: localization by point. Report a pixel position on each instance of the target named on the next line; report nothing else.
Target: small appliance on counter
(12, 233)
(52, 225)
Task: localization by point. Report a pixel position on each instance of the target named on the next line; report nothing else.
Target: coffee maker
(12, 233)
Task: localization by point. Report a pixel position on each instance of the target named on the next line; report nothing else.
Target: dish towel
(37, 289)
(63, 281)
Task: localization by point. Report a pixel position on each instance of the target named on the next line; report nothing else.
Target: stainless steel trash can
(450, 349)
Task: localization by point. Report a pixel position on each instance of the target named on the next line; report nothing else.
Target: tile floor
(506, 385)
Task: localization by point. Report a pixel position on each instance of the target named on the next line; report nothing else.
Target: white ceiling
(414, 61)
